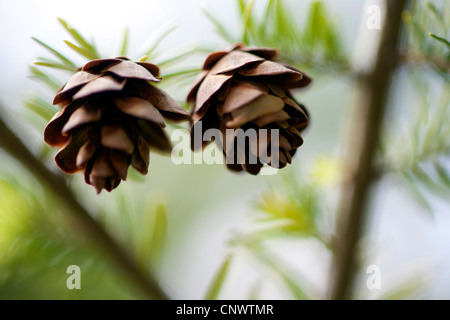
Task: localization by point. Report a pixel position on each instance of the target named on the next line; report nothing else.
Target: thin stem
(364, 136)
(10, 142)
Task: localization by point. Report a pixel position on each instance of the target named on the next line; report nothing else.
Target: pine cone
(243, 88)
(111, 116)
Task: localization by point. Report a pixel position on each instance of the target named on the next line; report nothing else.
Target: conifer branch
(86, 224)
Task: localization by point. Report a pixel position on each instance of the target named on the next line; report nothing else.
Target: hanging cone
(111, 117)
(243, 88)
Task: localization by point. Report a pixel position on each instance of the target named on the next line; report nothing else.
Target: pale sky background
(410, 240)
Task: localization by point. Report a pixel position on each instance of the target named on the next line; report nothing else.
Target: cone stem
(83, 220)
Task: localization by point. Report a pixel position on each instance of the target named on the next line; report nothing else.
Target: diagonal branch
(84, 221)
(371, 105)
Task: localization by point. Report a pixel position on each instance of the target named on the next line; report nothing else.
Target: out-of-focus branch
(371, 104)
(83, 219)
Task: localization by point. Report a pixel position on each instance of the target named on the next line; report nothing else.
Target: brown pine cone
(242, 88)
(111, 116)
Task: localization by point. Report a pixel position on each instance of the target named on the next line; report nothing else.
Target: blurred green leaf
(41, 107)
(57, 54)
(175, 74)
(45, 151)
(284, 21)
(320, 33)
(416, 193)
(53, 64)
(124, 45)
(159, 228)
(218, 281)
(317, 44)
(220, 28)
(255, 291)
(135, 176)
(420, 153)
(421, 174)
(160, 35)
(81, 50)
(37, 245)
(177, 58)
(86, 48)
(275, 265)
(427, 22)
(314, 25)
(407, 289)
(430, 6)
(297, 292)
(264, 24)
(242, 4)
(443, 174)
(297, 205)
(247, 21)
(419, 34)
(37, 74)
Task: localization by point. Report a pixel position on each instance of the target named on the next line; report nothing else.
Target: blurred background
(206, 233)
